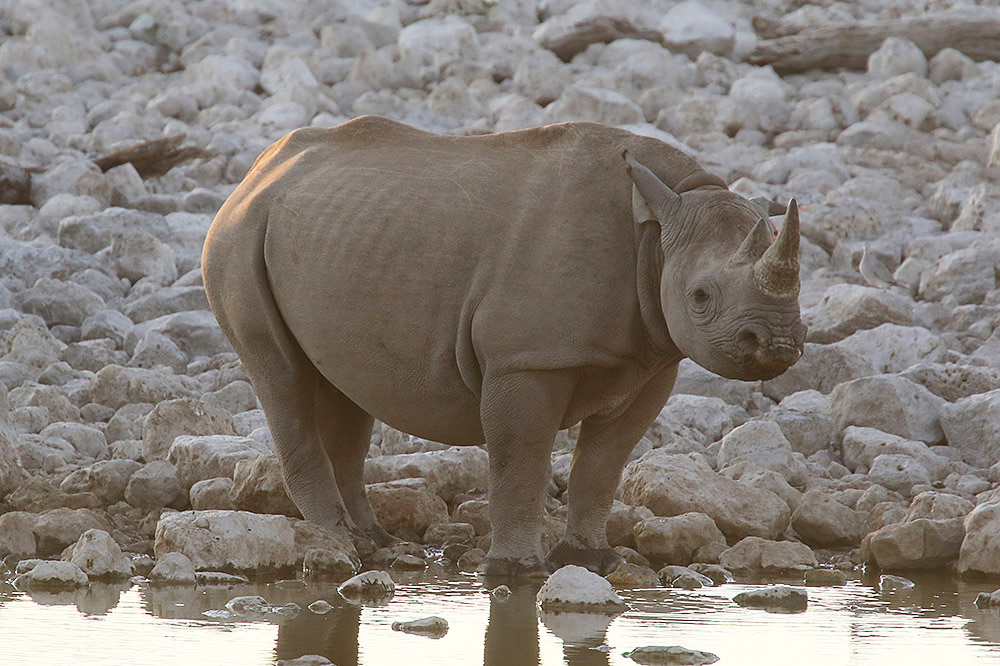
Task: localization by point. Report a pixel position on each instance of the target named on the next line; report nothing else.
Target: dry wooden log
(568, 40)
(847, 46)
(152, 158)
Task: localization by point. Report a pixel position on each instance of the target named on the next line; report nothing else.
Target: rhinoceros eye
(701, 295)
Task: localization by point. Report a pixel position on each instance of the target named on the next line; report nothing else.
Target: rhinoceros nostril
(748, 338)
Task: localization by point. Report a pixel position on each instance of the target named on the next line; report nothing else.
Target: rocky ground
(130, 437)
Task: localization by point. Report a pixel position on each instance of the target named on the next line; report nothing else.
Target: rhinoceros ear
(658, 198)
(767, 206)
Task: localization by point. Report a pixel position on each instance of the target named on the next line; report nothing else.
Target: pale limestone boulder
(541, 77)
(57, 406)
(106, 324)
(137, 254)
(676, 539)
(691, 28)
(622, 520)
(50, 574)
(234, 398)
(106, 479)
(569, 30)
(823, 522)
(17, 536)
(967, 275)
(704, 419)
(437, 43)
(258, 486)
(210, 456)
(172, 569)
(11, 471)
(673, 484)
(153, 486)
(99, 556)
(670, 654)
(753, 554)
(891, 348)
(404, 512)
(757, 102)
(60, 302)
(847, 308)
(889, 403)
(916, 544)
(432, 627)
(176, 298)
(695, 380)
(751, 475)
(92, 355)
(600, 105)
(633, 576)
(953, 381)
(980, 550)
(949, 64)
(475, 512)
(762, 443)
(30, 342)
(182, 416)
(116, 386)
(370, 587)
(821, 368)
(575, 589)
(57, 528)
(861, 446)
(806, 420)
(683, 578)
(897, 56)
(969, 425)
(126, 424)
(228, 540)
(447, 472)
(156, 349)
(935, 505)
(75, 176)
(209, 494)
(395, 442)
(898, 472)
(196, 333)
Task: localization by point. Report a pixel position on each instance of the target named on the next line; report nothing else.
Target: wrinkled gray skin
(490, 289)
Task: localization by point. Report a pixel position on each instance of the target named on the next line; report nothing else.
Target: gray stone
(17, 537)
(106, 479)
(775, 597)
(821, 521)
(762, 443)
(58, 528)
(447, 472)
(671, 484)
(676, 539)
(52, 575)
(898, 472)
(753, 554)
(980, 549)
(258, 486)
(847, 308)
(228, 540)
(153, 486)
(575, 589)
(916, 544)
(969, 425)
(172, 569)
(890, 403)
(60, 302)
(199, 457)
(183, 416)
(98, 556)
(209, 494)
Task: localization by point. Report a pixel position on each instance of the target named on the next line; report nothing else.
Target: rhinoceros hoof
(599, 560)
(503, 567)
(367, 541)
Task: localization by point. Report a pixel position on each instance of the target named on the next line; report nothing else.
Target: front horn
(777, 271)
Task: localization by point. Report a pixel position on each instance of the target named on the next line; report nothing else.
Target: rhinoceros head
(729, 288)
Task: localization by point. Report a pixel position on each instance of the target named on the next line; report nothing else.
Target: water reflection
(333, 635)
(512, 630)
(96, 599)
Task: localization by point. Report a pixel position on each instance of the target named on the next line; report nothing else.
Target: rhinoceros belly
(379, 320)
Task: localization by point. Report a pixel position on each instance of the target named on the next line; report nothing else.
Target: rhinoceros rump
(490, 289)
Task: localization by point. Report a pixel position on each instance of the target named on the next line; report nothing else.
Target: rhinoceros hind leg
(599, 560)
(346, 431)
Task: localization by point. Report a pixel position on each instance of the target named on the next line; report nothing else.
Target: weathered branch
(847, 46)
(152, 158)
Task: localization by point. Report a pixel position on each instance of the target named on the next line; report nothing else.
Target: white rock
(600, 105)
(897, 56)
(891, 404)
(891, 348)
(690, 27)
(969, 425)
(438, 42)
(235, 398)
(966, 275)
(447, 472)
(433, 626)
(780, 597)
(847, 308)
(576, 589)
(980, 551)
(116, 386)
(60, 302)
(17, 535)
(209, 494)
(227, 540)
(763, 444)
(88, 441)
(137, 254)
(676, 539)
(98, 556)
(153, 486)
(898, 472)
(199, 457)
(107, 479)
(52, 575)
(155, 349)
(368, 586)
(861, 446)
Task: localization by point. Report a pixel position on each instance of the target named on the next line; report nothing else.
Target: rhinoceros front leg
(521, 414)
(602, 450)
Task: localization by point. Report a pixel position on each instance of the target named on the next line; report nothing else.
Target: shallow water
(934, 623)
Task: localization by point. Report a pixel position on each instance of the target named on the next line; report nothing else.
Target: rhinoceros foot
(502, 567)
(367, 541)
(599, 560)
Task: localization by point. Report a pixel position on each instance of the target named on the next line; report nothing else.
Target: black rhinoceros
(491, 289)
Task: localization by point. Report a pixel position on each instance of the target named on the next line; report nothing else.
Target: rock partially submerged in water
(370, 587)
(432, 627)
(305, 660)
(228, 540)
(774, 598)
(253, 607)
(888, 583)
(172, 569)
(988, 599)
(99, 556)
(50, 574)
(320, 607)
(575, 589)
(673, 655)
